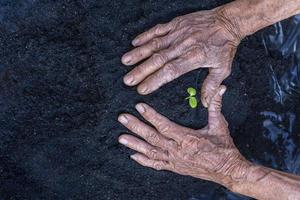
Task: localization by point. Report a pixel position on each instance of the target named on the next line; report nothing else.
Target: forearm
(265, 183)
(249, 16)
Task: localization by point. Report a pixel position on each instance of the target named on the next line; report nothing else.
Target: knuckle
(187, 157)
(159, 59)
(153, 118)
(158, 28)
(135, 127)
(153, 154)
(152, 138)
(138, 52)
(216, 105)
(164, 127)
(171, 71)
(197, 49)
(171, 144)
(156, 43)
(195, 55)
(138, 70)
(158, 165)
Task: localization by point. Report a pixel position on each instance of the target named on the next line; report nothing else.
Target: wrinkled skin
(208, 153)
(206, 39)
(202, 39)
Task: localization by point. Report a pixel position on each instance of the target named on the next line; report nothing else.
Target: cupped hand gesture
(204, 39)
(208, 153)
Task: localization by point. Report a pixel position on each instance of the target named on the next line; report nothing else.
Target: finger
(140, 128)
(212, 82)
(156, 61)
(142, 52)
(144, 161)
(166, 127)
(215, 104)
(142, 147)
(215, 117)
(158, 30)
(167, 73)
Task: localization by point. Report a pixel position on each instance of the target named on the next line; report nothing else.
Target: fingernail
(123, 119)
(127, 59)
(135, 42)
(143, 89)
(128, 79)
(123, 141)
(133, 157)
(204, 102)
(222, 91)
(140, 108)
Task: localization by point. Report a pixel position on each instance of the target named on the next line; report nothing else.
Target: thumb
(212, 83)
(215, 106)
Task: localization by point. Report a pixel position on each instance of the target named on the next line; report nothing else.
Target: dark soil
(61, 91)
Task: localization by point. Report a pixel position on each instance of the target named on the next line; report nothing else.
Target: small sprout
(193, 102)
(192, 99)
(191, 91)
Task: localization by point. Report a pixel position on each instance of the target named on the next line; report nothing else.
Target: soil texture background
(61, 91)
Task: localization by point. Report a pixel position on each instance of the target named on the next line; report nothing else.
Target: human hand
(208, 153)
(204, 39)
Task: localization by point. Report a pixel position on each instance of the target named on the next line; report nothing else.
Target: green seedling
(193, 102)
(191, 91)
(192, 99)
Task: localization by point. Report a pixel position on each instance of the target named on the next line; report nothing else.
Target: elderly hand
(204, 39)
(208, 153)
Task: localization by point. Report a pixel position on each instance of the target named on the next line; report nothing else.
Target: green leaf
(191, 91)
(193, 102)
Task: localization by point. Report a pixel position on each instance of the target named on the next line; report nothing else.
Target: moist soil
(61, 91)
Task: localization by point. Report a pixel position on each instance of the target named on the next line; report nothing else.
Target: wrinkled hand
(204, 39)
(208, 153)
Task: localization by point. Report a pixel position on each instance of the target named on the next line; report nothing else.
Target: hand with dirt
(208, 153)
(202, 39)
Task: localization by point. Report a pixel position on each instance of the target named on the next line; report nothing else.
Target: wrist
(248, 184)
(237, 175)
(225, 16)
(245, 17)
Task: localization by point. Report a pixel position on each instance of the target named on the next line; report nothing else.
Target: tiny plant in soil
(192, 97)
